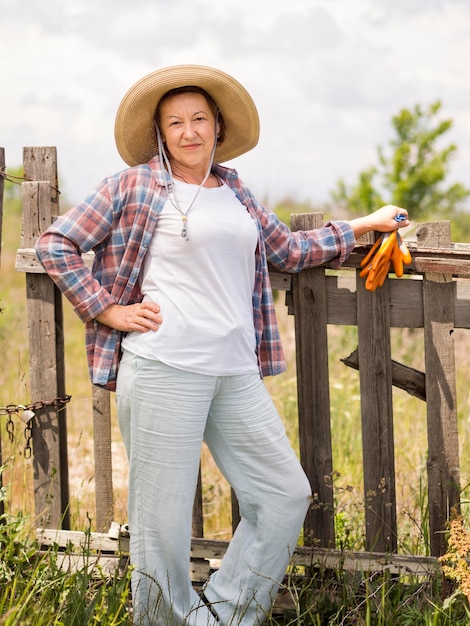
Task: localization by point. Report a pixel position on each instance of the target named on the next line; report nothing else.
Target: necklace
(170, 186)
(184, 214)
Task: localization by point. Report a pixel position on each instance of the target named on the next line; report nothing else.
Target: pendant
(184, 231)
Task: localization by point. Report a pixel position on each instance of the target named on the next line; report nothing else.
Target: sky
(327, 77)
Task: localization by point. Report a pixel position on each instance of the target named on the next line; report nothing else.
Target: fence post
(441, 395)
(375, 367)
(104, 500)
(46, 337)
(309, 298)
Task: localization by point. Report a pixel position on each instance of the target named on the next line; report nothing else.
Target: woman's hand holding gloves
(389, 249)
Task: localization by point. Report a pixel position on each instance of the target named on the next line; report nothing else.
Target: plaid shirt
(117, 221)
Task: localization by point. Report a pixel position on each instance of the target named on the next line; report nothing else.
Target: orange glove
(389, 249)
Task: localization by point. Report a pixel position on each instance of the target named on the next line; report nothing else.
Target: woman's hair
(209, 99)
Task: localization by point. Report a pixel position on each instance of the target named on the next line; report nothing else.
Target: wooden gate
(434, 296)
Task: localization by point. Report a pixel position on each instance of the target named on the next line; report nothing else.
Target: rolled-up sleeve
(346, 240)
(293, 251)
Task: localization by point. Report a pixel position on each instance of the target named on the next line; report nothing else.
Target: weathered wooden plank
(404, 377)
(50, 499)
(102, 565)
(309, 556)
(443, 266)
(373, 322)
(40, 164)
(406, 300)
(27, 261)
(456, 259)
(104, 501)
(366, 562)
(212, 550)
(441, 394)
(309, 297)
(81, 540)
(279, 280)
(108, 565)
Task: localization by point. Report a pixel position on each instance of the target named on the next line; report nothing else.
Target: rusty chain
(28, 436)
(26, 412)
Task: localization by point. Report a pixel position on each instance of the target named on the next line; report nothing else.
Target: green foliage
(412, 172)
(361, 198)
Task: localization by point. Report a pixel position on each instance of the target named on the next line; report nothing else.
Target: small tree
(411, 173)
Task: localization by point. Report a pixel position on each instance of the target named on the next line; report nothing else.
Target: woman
(180, 320)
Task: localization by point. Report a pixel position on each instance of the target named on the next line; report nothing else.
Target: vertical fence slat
(40, 164)
(48, 462)
(375, 367)
(441, 394)
(309, 297)
(104, 500)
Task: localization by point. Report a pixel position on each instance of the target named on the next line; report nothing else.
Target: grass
(32, 586)
(35, 591)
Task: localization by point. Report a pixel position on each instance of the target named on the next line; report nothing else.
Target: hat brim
(134, 132)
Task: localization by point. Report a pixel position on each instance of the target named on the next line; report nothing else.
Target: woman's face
(188, 129)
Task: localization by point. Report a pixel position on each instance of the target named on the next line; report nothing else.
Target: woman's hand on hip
(140, 317)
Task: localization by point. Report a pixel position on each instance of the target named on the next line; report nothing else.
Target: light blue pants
(164, 415)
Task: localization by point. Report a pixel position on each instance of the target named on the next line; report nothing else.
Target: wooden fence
(435, 296)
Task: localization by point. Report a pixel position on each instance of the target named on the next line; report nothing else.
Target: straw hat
(134, 132)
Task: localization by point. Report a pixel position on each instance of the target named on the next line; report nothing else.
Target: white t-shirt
(204, 286)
